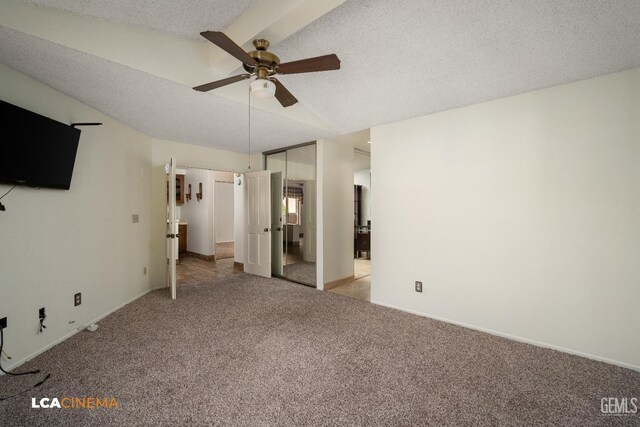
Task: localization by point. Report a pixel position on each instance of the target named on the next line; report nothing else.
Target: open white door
(277, 226)
(172, 227)
(258, 223)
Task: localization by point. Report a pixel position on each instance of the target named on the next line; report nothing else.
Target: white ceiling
(406, 58)
(158, 107)
(400, 59)
(183, 18)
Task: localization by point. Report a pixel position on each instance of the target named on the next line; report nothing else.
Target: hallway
(360, 286)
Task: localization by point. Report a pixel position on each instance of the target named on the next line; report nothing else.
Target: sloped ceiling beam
(274, 20)
(164, 55)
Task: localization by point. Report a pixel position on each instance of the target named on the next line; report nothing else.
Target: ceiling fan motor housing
(264, 58)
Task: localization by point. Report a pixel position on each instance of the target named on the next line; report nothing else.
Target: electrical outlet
(418, 286)
(41, 313)
(3, 323)
(77, 299)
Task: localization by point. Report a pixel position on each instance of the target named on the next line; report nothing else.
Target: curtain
(293, 193)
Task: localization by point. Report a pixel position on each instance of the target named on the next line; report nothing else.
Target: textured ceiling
(186, 18)
(406, 58)
(400, 59)
(160, 108)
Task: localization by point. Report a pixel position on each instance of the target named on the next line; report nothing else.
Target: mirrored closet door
(293, 212)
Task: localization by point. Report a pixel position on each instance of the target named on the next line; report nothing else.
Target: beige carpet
(224, 250)
(243, 350)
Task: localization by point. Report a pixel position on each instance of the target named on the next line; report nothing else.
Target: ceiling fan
(264, 65)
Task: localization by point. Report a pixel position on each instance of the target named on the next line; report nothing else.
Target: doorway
(205, 217)
(293, 213)
(360, 286)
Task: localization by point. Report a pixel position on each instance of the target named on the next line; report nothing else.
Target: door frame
(172, 227)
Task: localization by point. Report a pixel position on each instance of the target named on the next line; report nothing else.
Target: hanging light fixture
(263, 88)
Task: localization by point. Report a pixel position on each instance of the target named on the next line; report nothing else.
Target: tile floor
(195, 270)
(360, 287)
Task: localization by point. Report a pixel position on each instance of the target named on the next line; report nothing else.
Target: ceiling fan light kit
(263, 88)
(264, 65)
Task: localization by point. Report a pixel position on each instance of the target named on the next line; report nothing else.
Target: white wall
(291, 169)
(223, 211)
(335, 211)
(56, 243)
(202, 215)
(520, 216)
(199, 213)
(309, 222)
(363, 177)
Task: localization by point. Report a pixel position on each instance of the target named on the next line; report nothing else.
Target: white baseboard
(72, 333)
(514, 337)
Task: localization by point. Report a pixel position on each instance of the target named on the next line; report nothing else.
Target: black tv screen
(35, 151)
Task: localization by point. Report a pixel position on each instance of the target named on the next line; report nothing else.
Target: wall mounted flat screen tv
(35, 150)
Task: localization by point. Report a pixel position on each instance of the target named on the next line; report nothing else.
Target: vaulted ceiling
(137, 61)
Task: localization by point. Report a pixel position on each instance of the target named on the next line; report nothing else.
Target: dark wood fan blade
(309, 65)
(283, 95)
(225, 43)
(219, 83)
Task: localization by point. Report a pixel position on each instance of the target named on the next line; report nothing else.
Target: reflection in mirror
(293, 189)
(276, 163)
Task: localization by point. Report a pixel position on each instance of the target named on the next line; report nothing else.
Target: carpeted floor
(301, 271)
(224, 250)
(242, 350)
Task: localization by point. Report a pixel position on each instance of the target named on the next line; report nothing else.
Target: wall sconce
(199, 193)
(188, 195)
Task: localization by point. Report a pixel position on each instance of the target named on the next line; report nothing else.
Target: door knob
(266, 229)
